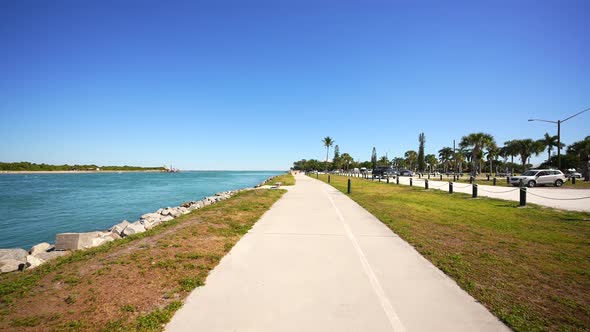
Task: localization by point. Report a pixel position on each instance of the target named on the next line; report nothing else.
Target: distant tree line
(27, 166)
(476, 153)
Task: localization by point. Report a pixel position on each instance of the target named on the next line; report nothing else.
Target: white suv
(535, 177)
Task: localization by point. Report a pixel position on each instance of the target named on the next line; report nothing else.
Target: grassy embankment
(286, 179)
(529, 266)
(136, 283)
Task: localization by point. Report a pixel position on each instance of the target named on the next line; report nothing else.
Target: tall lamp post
(559, 133)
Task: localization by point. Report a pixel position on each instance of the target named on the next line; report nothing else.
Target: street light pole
(559, 133)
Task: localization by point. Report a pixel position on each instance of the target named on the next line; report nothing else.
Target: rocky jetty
(21, 259)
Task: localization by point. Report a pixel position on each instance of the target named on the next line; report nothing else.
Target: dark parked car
(382, 172)
(406, 172)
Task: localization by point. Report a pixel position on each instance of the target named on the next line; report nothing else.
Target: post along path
(317, 261)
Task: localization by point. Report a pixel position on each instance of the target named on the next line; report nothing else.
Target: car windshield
(529, 173)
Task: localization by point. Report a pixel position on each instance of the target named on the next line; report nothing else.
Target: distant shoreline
(77, 172)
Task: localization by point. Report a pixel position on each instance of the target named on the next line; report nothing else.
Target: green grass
(286, 179)
(530, 266)
(171, 259)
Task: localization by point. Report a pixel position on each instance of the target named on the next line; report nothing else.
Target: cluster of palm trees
(475, 150)
(475, 147)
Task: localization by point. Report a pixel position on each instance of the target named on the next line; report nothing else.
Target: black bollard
(419, 175)
(379, 179)
(494, 181)
(425, 184)
(454, 178)
(429, 176)
(507, 179)
(317, 175)
(474, 191)
(522, 196)
(411, 182)
(396, 179)
(471, 179)
(348, 190)
(328, 178)
(488, 177)
(388, 179)
(573, 180)
(441, 177)
(450, 187)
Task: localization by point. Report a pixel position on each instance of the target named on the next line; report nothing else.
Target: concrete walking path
(317, 261)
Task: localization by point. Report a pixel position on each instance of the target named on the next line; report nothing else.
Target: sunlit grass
(530, 266)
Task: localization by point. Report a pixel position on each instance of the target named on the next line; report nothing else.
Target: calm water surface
(35, 207)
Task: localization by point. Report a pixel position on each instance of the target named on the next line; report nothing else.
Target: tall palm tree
(411, 157)
(549, 142)
(477, 142)
(526, 148)
(445, 155)
(328, 141)
(431, 160)
(511, 149)
(492, 152)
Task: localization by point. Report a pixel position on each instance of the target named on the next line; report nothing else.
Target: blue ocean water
(35, 207)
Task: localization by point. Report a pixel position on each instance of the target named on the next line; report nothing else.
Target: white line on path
(394, 320)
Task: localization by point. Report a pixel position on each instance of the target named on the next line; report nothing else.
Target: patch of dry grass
(132, 284)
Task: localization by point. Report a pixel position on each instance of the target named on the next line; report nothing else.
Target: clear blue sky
(257, 85)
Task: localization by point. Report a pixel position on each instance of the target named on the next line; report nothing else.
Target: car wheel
(558, 183)
(531, 183)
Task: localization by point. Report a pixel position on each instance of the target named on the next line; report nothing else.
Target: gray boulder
(166, 218)
(16, 254)
(149, 224)
(10, 265)
(118, 228)
(47, 256)
(175, 213)
(134, 228)
(151, 216)
(76, 241)
(41, 247)
(33, 261)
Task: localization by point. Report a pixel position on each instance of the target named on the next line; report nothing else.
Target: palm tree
(526, 148)
(477, 142)
(511, 149)
(399, 162)
(459, 159)
(347, 160)
(445, 154)
(411, 157)
(492, 154)
(582, 150)
(383, 161)
(550, 142)
(431, 161)
(328, 141)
